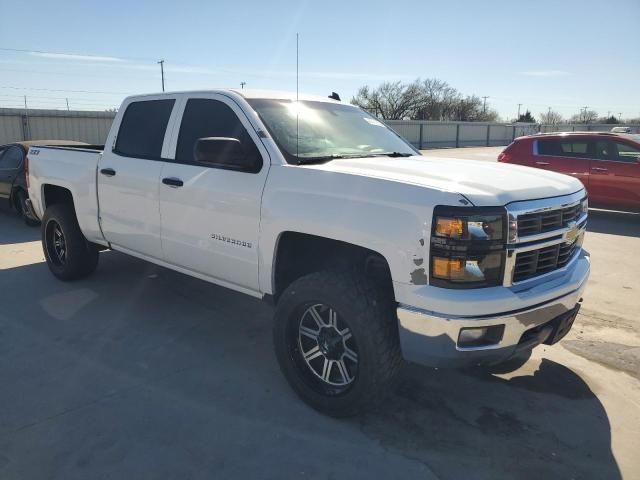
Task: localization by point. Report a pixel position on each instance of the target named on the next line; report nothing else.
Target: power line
(75, 54)
(62, 90)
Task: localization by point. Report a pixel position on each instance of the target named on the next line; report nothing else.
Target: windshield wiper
(392, 154)
(327, 158)
(320, 159)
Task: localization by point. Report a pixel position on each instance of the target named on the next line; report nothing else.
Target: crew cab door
(129, 176)
(210, 209)
(568, 155)
(615, 174)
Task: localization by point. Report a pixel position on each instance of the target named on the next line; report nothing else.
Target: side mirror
(221, 151)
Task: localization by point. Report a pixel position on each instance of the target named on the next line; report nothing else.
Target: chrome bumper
(431, 339)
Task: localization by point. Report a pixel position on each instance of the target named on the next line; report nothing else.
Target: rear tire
(23, 210)
(68, 253)
(342, 358)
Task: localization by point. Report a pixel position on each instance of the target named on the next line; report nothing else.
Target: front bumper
(431, 338)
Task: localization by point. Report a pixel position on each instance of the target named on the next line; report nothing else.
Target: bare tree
(585, 116)
(438, 99)
(391, 100)
(429, 99)
(551, 117)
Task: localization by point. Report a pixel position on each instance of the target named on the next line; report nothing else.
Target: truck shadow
(544, 424)
(614, 222)
(13, 229)
(140, 355)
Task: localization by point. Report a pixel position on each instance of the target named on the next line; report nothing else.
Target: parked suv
(608, 164)
(13, 181)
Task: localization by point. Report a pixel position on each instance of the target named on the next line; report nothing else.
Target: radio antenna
(298, 95)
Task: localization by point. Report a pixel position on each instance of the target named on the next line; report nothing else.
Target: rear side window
(212, 118)
(563, 148)
(11, 158)
(143, 127)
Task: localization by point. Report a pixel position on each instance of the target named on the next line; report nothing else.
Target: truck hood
(482, 183)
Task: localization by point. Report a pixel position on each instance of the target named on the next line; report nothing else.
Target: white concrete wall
(83, 126)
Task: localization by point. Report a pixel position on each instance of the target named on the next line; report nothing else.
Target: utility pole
(161, 62)
(67, 104)
(484, 104)
(27, 134)
(518, 117)
(242, 84)
(619, 116)
(585, 113)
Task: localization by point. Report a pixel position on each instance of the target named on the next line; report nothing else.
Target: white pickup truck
(370, 251)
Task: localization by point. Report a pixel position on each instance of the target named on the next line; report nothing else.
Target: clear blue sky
(563, 54)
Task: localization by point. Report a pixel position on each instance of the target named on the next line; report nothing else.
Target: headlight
(467, 247)
(472, 227)
(584, 206)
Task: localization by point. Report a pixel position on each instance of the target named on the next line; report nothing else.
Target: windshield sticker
(373, 121)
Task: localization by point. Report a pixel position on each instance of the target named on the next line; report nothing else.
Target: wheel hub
(331, 343)
(327, 346)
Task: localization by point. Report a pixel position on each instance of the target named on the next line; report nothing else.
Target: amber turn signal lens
(449, 227)
(449, 268)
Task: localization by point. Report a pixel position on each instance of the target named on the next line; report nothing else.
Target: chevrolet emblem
(571, 234)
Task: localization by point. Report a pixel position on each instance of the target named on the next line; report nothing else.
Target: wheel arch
(55, 194)
(297, 254)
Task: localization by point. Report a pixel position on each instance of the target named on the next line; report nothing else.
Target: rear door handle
(108, 172)
(599, 169)
(173, 182)
(542, 163)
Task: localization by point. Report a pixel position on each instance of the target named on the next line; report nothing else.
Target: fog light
(480, 336)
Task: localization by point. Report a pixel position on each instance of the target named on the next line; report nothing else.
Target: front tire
(68, 253)
(336, 341)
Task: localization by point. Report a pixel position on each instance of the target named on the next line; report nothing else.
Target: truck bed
(73, 168)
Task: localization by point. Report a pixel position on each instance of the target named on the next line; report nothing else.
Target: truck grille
(543, 260)
(534, 223)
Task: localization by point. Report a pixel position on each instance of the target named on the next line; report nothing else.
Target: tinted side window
(617, 151)
(143, 127)
(12, 158)
(564, 148)
(212, 118)
(549, 147)
(605, 150)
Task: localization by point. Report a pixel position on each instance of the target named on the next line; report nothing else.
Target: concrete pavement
(141, 372)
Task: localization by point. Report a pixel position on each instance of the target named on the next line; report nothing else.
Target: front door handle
(173, 182)
(599, 169)
(543, 163)
(108, 172)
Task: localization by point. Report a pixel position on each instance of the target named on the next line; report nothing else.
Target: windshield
(309, 130)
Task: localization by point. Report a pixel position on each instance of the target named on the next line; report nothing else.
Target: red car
(607, 163)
